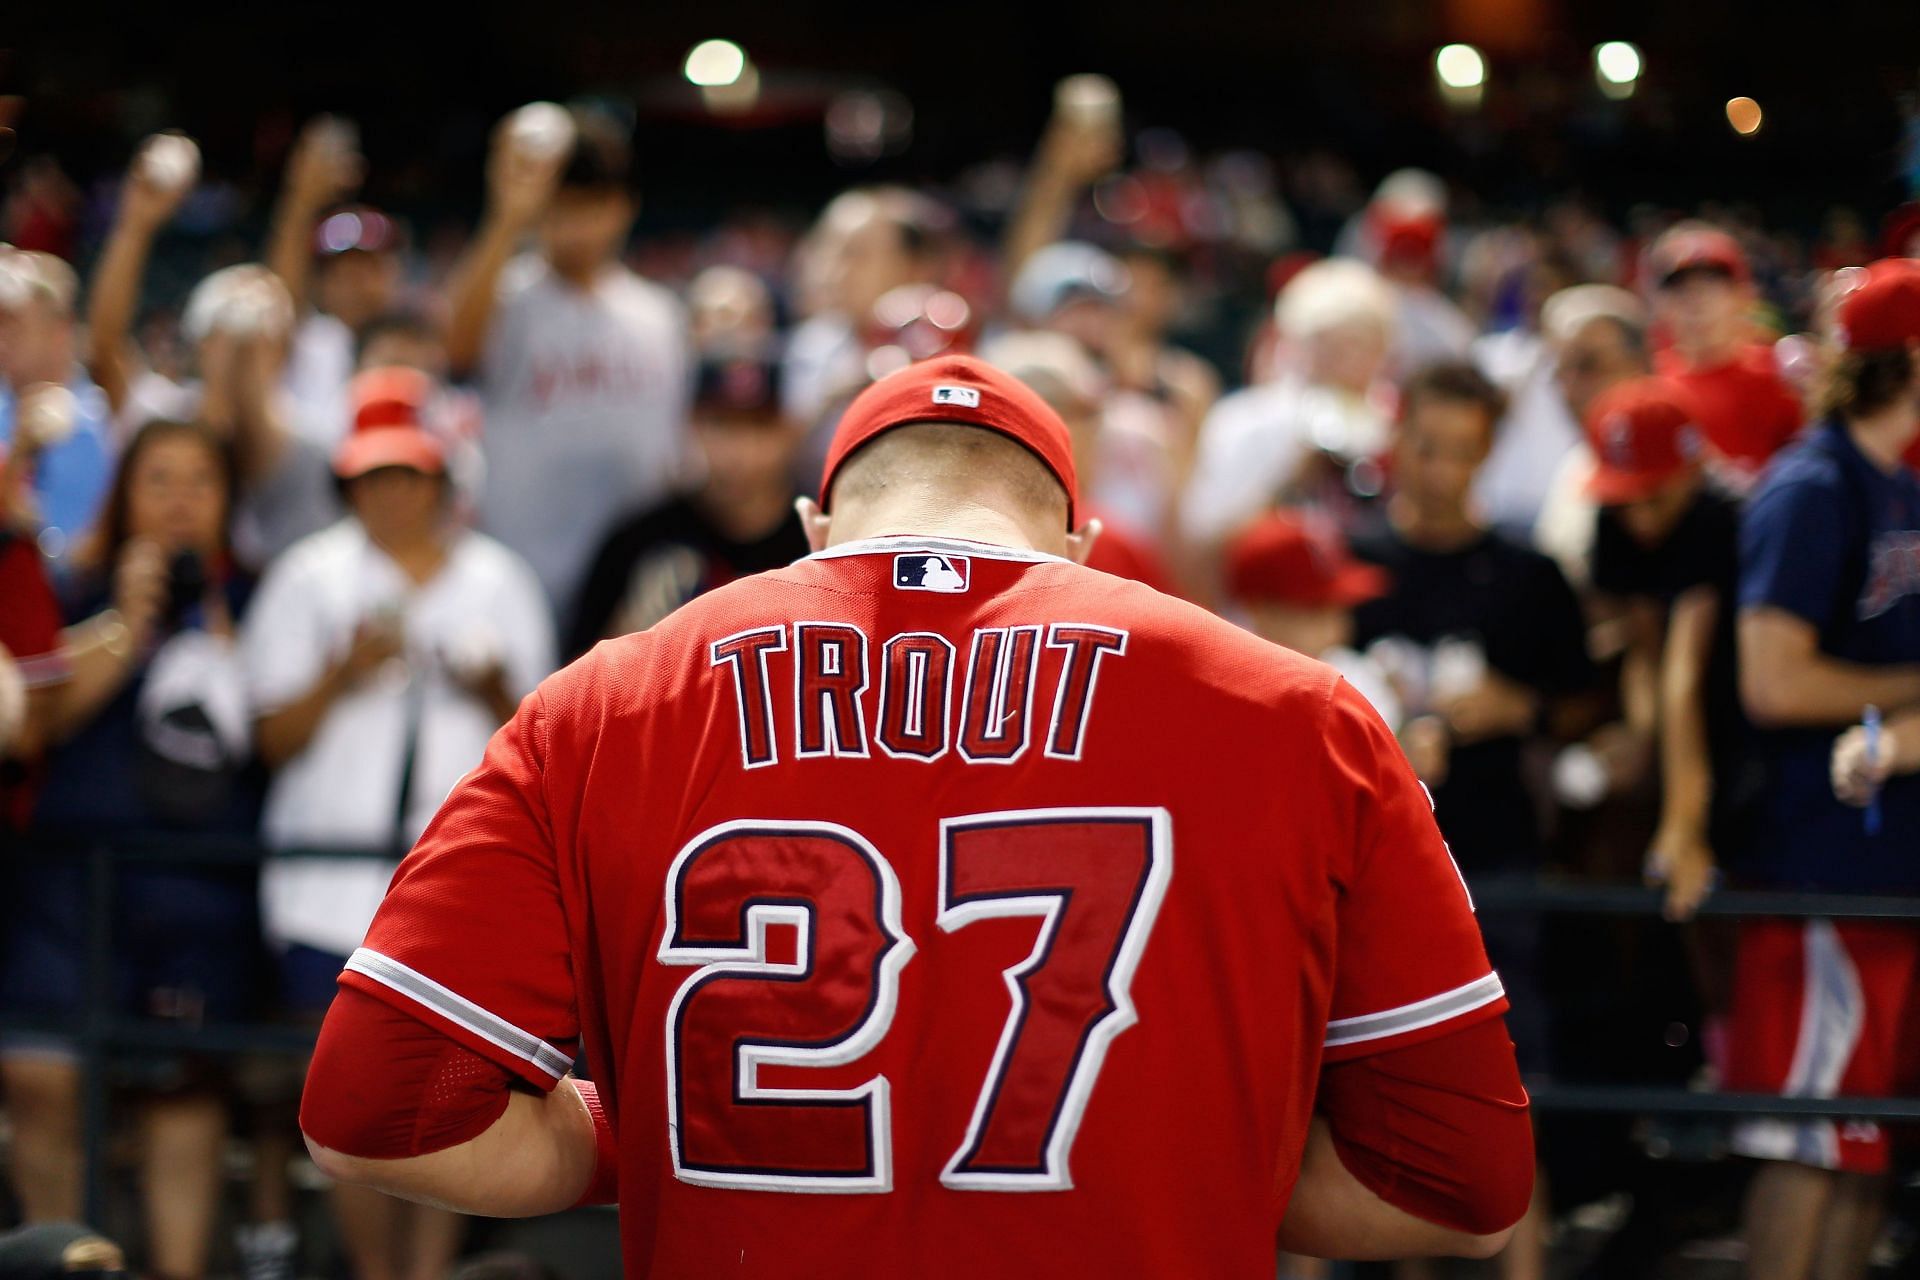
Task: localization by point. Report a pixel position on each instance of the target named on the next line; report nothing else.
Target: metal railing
(101, 1032)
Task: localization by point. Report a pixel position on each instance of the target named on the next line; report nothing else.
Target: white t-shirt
(319, 367)
(344, 789)
(1535, 436)
(585, 394)
(1253, 441)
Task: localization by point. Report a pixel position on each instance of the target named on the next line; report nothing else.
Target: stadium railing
(101, 1032)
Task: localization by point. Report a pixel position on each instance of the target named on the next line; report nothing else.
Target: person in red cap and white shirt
(1703, 293)
(382, 654)
(1829, 629)
(928, 908)
(1665, 552)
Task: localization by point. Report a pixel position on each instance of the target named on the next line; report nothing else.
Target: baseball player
(938, 907)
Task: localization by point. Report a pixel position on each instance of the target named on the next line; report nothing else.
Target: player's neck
(967, 521)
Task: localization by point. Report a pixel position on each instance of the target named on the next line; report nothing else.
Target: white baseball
(541, 130)
(170, 161)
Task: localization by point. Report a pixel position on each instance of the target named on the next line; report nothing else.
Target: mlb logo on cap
(920, 571)
(968, 396)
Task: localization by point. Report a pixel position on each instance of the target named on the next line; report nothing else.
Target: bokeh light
(1744, 115)
(715, 63)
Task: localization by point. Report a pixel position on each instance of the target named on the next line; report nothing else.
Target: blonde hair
(1333, 294)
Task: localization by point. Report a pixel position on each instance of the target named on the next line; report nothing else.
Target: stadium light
(715, 64)
(1460, 66)
(1462, 72)
(1744, 115)
(1617, 65)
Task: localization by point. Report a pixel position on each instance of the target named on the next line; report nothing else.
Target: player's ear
(816, 522)
(1080, 541)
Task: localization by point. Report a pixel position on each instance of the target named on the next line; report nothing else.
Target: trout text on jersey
(814, 689)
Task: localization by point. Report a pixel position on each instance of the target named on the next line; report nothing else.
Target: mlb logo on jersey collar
(922, 571)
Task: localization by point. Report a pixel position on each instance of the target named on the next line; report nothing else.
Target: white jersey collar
(910, 543)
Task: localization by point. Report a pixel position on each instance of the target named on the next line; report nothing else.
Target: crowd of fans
(1602, 521)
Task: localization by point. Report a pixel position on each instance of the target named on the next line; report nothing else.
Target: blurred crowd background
(351, 382)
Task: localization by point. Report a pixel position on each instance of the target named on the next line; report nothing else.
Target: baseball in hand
(541, 130)
(1087, 100)
(169, 161)
(46, 414)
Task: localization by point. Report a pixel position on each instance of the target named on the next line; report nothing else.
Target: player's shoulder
(1195, 651)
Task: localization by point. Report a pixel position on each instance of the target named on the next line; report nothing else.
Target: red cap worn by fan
(1692, 247)
(389, 407)
(961, 390)
(1643, 433)
(1881, 309)
(1280, 559)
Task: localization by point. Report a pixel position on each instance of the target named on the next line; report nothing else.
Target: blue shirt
(71, 479)
(1832, 539)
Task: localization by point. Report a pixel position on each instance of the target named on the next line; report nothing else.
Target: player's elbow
(335, 1165)
(1487, 1245)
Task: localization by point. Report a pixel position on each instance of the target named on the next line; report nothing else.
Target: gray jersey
(585, 399)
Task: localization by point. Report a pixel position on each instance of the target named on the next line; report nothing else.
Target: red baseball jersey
(933, 908)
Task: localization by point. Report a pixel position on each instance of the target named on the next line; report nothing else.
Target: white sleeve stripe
(459, 1010)
(1477, 994)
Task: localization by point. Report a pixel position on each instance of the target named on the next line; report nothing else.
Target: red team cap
(960, 389)
(1280, 559)
(1693, 247)
(1881, 309)
(1643, 434)
(389, 407)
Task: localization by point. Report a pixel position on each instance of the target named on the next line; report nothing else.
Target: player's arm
(1420, 1151)
(1420, 1096)
(442, 1072)
(396, 1105)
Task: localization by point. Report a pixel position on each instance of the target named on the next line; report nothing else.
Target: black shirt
(1702, 550)
(656, 561)
(1513, 607)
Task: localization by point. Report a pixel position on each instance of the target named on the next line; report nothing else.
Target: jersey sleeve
(1408, 961)
(472, 937)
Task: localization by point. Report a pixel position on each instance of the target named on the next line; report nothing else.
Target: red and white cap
(1694, 246)
(389, 415)
(1283, 559)
(1880, 310)
(963, 390)
(1643, 433)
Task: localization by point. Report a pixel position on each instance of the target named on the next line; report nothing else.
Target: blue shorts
(308, 978)
(185, 947)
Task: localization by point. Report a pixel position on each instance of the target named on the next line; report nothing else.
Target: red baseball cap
(958, 389)
(389, 407)
(1283, 559)
(1694, 247)
(1643, 433)
(1881, 309)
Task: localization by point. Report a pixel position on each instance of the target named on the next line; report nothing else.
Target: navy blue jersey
(1832, 539)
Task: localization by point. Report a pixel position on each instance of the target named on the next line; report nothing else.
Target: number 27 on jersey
(1093, 877)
